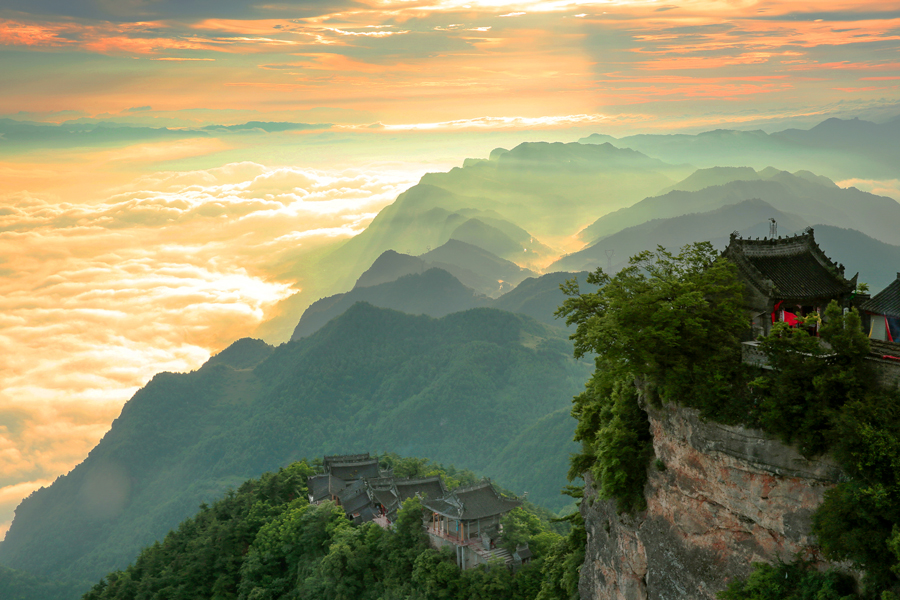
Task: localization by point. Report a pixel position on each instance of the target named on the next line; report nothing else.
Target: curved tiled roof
(792, 268)
(428, 487)
(355, 470)
(885, 302)
(477, 501)
(330, 459)
(323, 486)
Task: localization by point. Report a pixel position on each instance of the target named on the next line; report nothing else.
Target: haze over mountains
(477, 372)
(843, 148)
(541, 203)
(416, 286)
(461, 390)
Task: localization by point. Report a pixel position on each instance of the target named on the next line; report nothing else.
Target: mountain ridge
(369, 380)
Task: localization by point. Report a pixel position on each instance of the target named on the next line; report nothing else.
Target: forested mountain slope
(435, 293)
(461, 389)
(265, 541)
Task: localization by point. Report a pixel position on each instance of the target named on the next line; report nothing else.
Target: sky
(127, 249)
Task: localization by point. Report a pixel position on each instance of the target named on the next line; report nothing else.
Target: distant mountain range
(744, 200)
(816, 198)
(517, 205)
(16, 136)
(472, 384)
(841, 148)
(507, 204)
(415, 285)
(748, 217)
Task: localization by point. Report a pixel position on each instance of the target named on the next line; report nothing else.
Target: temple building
(468, 518)
(884, 313)
(344, 476)
(787, 279)
(390, 493)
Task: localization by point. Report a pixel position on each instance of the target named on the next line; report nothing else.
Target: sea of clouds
(97, 297)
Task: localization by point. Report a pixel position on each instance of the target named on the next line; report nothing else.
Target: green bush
(795, 581)
(667, 326)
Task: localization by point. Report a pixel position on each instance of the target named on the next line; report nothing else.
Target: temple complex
(467, 518)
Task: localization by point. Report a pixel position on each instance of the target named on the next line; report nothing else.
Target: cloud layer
(95, 298)
(437, 61)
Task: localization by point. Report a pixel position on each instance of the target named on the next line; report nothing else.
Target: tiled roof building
(322, 487)
(472, 503)
(359, 469)
(469, 519)
(787, 278)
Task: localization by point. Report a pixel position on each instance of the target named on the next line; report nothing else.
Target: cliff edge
(718, 499)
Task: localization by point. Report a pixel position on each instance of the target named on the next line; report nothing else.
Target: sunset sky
(125, 250)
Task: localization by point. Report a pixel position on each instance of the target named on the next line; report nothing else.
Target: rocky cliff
(718, 499)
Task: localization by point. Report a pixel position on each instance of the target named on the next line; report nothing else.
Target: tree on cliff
(667, 326)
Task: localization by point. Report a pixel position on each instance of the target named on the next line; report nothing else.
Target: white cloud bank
(95, 298)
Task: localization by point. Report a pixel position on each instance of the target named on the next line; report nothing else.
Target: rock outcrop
(718, 499)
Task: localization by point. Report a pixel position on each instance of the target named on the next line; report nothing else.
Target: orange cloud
(97, 297)
(502, 123)
(26, 34)
(103, 38)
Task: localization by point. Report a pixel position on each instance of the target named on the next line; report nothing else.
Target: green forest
(483, 389)
(265, 541)
(667, 329)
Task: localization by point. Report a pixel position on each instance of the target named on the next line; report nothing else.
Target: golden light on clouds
(501, 123)
(96, 298)
(434, 61)
(109, 275)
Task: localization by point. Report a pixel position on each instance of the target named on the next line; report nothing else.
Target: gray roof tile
(477, 501)
(885, 302)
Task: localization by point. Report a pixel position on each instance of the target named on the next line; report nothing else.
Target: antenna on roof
(773, 228)
(609, 255)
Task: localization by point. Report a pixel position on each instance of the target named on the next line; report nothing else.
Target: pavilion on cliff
(787, 279)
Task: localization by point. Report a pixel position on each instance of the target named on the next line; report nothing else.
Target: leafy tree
(673, 322)
(562, 565)
(520, 527)
(436, 576)
(810, 382)
(798, 580)
(666, 327)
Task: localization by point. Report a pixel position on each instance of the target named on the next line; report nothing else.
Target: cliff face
(728, 497)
